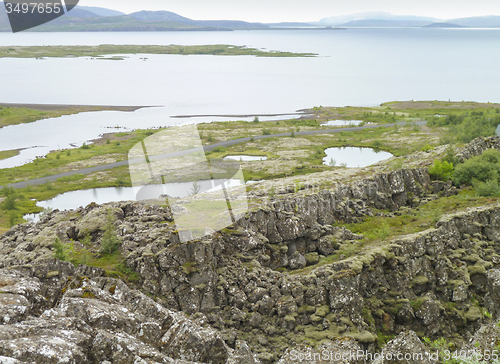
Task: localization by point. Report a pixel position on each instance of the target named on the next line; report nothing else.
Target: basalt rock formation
(254, 292)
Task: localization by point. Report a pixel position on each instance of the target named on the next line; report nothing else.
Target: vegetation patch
(115, 50)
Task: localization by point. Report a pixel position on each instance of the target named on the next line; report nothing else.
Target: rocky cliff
(242, 295)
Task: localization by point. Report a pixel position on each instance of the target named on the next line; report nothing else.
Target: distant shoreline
(80, 108)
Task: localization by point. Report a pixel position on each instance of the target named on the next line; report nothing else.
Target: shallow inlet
(245, 158)
(342, 123)
(75, 199)
(354, 157)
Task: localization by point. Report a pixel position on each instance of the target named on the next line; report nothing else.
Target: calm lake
(354, 67)
(354, 157)
(74, 199)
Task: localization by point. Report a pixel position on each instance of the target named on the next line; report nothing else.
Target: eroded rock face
(97, 320)
(343, 351)
(478, 146)
(406, 348)
(232, 284)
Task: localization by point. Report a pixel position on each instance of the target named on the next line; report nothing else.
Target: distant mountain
(122, 23)
(291, 24)
(100, 11)
(492, 21)
(169, 16)
(381, 19)
(160, 16)
(82, 19)
(376, 23)
(78, 12)
(444, 25)
(85, 18)
(345, 19)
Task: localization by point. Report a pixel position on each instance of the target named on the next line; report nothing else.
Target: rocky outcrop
(343, 351)
(406, 348)
(255, 287)
(478, 146)
(97, 320)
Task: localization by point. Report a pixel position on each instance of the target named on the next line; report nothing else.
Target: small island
(108, 49)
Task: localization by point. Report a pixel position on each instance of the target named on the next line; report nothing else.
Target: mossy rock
(346, 321)
(420, 280)
(96, 220)
(312, 258)
(456, 283)
(389, 302)
(316, 319)
(306, 309)
(417, 304)
(477, 268)
(474, 314)
(52, 274)
(322, 311)
(365, 337)
(473, 258)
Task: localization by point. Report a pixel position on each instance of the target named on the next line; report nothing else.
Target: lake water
(356, 67)
(245, 158)
(354, 157)
(342, 123)
(73, 200)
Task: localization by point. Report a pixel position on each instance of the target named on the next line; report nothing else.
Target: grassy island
(108, 49)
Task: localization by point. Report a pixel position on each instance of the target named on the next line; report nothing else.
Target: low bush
(478, 169)
(441, 170)
(489, 188)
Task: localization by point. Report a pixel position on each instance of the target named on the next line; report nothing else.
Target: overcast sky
(302, 10)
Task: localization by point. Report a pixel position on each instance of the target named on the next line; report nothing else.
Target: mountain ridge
(87, 18)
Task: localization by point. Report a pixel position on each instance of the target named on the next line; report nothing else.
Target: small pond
(75, 199)
(342, 123)
(245, 158)
(354, 157)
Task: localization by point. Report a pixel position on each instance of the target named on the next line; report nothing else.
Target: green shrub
(219, 150)
(266, 132)
(481, 168)
(384, 231)
(59, 250)
(85, 146)
(110, 241)
(7, 191)
(450, 156)
(488, 188)
(12, 218)
(426, 148)
(441, 170)
(10, 203)
(256, 119)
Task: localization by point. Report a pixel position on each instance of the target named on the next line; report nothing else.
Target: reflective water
(356, 67)
(245, 158)
(75, 199)
(354, 157)
(342, 122)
